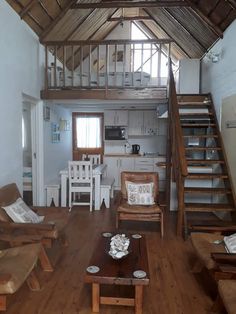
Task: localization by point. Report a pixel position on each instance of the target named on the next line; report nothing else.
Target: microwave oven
(117, 133)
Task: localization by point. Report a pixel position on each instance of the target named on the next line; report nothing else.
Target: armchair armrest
(224, 258)
(26, 226)
(215, 228)
(20, 238)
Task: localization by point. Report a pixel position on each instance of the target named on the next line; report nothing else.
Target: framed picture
(46, 113)
(118, 56)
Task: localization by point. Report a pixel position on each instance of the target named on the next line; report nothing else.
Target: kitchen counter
(134, 155)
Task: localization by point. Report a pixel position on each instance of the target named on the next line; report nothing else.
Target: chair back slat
(95, 159)
(80, 171)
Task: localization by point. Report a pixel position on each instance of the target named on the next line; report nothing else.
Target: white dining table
(98, 170)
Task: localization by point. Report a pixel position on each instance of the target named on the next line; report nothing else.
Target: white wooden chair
(80, 181)
(96, 159)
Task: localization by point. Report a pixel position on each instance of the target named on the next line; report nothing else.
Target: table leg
(95, 297)
(97, 194)
(138, 299)
(63, 189)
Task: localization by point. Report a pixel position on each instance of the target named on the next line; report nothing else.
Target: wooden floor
(173, 288)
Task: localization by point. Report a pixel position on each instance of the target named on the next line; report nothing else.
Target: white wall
(56, 155)
(21, 71)
(189, 76)
(220, 78)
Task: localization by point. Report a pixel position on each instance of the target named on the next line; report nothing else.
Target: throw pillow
(140, 193)
(20, 212)
(230, 243)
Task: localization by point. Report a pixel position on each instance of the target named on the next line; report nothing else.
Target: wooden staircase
(207, 186)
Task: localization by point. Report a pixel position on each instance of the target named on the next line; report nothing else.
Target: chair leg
(117, 220)
(33, 282)
(91, 201)
(162, 225)
(3, 303)
(44, 260)
(69, 201)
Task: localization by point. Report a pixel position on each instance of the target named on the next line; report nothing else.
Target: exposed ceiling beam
(105, 42)
(128, 18)
(26, 9)
(45, 9)
(216, 29)
(56, 20)
(59, 4)
(132, 4)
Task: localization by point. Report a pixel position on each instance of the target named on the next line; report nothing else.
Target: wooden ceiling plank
(59, 4)
(79, 25)
(35, 20)
(128, 18)
(227, 15)
(216, 29)
(132, 4)
(184, 29)
(232, 3)
(26, 9)
(213, 8)
(45, 10)
(180, 47)
(56, 20)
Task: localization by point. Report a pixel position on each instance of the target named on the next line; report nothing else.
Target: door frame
(37, 136)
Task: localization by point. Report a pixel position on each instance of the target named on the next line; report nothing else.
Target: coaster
(139, 274)
(93, 269)
(107, 234)
(136, 236)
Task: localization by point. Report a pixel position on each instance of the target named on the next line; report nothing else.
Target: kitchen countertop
(134, 155)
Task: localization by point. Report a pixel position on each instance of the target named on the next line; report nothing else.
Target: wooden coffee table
(119, 272)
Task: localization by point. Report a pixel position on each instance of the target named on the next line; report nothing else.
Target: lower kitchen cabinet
(115, 165)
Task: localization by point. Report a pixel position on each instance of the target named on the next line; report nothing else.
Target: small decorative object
(93, 269)
(139, 274)
(107, 234)
(119, 246)
(55, 133)
(136, 236)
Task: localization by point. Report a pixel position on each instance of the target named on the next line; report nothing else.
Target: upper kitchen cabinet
(116, 117)
(143, 122)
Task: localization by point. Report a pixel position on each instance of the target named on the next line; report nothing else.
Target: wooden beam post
(26, 9)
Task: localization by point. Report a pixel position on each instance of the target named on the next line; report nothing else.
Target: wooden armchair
(210, 250)
(226, 297)
(16, 267)
(50, 230)
(139, 212)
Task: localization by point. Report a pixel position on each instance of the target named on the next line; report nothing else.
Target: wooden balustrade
(107, 64)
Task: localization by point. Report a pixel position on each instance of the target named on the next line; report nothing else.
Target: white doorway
(32, 147)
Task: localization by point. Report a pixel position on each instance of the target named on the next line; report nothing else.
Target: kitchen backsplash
(151, 144)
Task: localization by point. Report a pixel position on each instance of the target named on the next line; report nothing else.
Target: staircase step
(198, 125)
(201, 136)
(194, 104)
(197, 207)
(196, 114)
(205, 176)
(197, 148)
(204, 161)
(207, 190)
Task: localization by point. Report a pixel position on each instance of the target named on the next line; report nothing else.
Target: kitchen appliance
(135, 149)
(117, 133)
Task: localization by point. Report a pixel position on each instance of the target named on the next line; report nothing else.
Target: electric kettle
(135, 149)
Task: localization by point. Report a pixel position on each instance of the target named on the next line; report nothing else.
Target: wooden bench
(107, 190)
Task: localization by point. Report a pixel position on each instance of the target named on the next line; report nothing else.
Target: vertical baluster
(72, 66)
(124, 64)
(81, 66)
(141, 76)
(98, 65)
(169, 58)
(133, 53)
(47, 71)
(89, 74)
(159, 66)
(115, 68)
(151, 63)
(107, 60)
(55, 66)
(64, 66)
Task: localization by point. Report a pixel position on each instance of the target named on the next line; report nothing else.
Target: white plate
(136, 236)
(139, 274)
(93, 269)
(107, 234)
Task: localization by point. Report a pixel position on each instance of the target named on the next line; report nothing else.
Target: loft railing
(176, 160)
(107, 64)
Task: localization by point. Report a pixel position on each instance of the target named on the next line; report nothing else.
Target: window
(87, 134)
